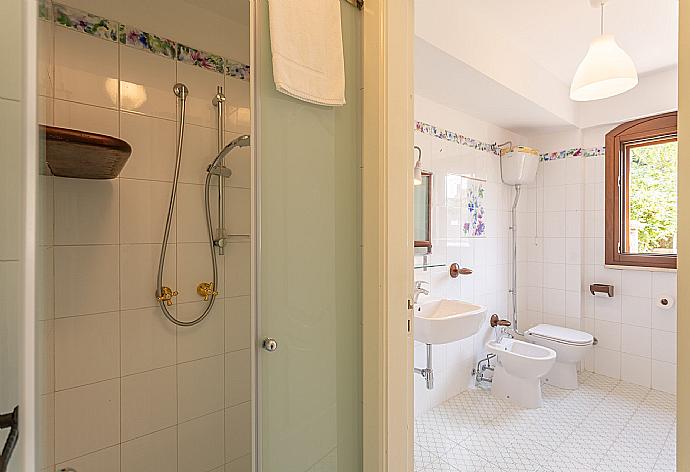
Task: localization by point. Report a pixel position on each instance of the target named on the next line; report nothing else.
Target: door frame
(387, 235)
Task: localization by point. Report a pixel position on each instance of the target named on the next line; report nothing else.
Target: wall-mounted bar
(219, 103)
(601, 288)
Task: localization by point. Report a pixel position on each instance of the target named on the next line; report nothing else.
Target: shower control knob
(270, 344)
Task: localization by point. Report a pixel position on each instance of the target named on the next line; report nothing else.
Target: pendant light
(418, 168)
(605, 71)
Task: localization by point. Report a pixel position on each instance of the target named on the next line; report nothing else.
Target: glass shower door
(309, 271)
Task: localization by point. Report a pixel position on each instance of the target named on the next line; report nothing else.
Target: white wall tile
(237, 107)
(636, 370)
(96, 430)
(637, 283)
(198, 152)
(664, 346)
(664, 376)
(238, 205)
(663, 284)
(243, 464)
(200, 443)
(86, 280)
(105, 460)
(238, 265)
(607, 362)
(139, 269)
(203, 86)
(86, 211)
(554, 276)
(45, 441)
(191, 213)
(153, 144)
(554, 250)
(204, 339)
(237, 323)
(607, 309)
(148, 340)
(608, 334)
(200, 387)
(155, 452)
(86, 68)
(149, 402)
(664, 319)
(636, 311)
(45, 63)
(237, 423)
(144, 210)
(194, 266)
(237, 377)
(87, 349)
(636, 340)
(146, 83)
(85, 118)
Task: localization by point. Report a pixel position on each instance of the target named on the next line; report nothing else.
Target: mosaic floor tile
(604, 426)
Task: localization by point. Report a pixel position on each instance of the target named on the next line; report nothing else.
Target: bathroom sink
(445, 321)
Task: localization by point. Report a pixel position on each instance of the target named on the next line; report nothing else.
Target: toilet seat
(561, 335)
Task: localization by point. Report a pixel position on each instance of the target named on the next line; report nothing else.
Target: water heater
(519, 165)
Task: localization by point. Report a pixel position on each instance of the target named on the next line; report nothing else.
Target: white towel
(307, 46)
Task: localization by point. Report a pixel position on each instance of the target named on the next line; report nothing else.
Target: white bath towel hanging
(307, 46)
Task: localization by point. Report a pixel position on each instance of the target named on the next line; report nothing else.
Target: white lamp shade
(605, 71)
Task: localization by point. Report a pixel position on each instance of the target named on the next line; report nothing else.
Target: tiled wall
(488, 255)
(561, 252)
(11, 213)
(122, 388)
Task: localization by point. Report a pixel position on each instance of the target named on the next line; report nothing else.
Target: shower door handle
(9, 420)
(270, 344)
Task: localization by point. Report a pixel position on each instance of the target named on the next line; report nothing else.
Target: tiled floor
(605, 425)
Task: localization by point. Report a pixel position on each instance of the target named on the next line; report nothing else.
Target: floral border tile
(132, 36)
(454, 137)
(573, 152)
(84, 22)
(205, 60)
(136, 38)
(236, 69)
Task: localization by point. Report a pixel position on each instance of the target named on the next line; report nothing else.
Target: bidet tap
(418, 290)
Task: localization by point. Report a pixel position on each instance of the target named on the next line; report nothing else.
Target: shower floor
(606, 425)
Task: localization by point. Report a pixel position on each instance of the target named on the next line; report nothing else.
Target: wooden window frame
(619, 141)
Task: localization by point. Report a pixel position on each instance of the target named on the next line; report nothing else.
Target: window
(642, 192)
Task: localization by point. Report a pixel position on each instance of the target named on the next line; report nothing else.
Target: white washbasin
(445, 321)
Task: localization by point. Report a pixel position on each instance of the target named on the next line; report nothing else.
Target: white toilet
(518, 371)
(571, 347)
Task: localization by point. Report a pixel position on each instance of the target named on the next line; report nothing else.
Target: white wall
(637, 341)
(487, 256)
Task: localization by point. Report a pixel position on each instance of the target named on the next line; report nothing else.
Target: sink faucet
(418, 290)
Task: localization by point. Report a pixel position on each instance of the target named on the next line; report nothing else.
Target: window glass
(653, 198)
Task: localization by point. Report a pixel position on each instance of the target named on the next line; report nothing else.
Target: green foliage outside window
(654, 196)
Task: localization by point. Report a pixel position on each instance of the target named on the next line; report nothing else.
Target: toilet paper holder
(601, 288)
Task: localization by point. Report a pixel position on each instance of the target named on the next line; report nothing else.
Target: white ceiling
(510, 62)
(556, 33)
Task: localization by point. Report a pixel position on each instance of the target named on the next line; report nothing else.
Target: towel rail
(356, 3)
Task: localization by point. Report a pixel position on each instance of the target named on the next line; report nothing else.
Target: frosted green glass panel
(309, 272)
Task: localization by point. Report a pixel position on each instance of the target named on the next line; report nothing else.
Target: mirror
(422, 214)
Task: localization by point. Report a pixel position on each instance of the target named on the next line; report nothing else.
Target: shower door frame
(387, 234)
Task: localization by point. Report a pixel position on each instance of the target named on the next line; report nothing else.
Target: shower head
(242, 141)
